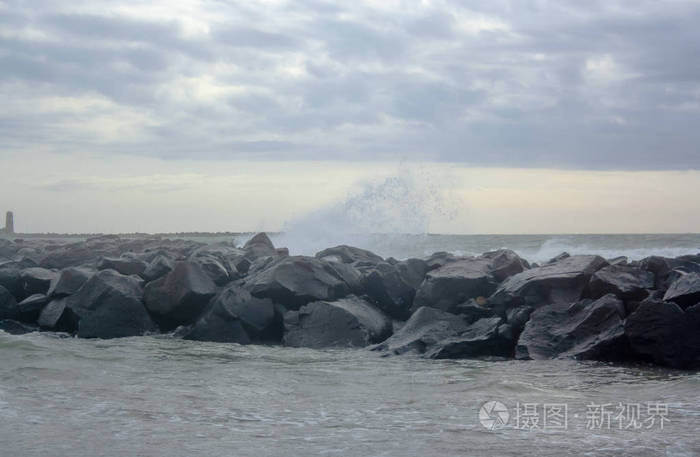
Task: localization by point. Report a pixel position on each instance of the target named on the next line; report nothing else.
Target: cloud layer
(594, 85)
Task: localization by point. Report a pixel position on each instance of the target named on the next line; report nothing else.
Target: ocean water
(160, 396)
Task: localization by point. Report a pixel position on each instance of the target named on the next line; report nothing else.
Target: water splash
(403, 204)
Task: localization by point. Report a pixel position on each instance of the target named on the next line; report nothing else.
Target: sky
(523, 116)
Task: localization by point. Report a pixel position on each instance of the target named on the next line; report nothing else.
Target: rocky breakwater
(495, 305)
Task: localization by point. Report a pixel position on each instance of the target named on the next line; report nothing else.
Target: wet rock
(655, 334)
(58, 316)
(36, 280)
(235, 316)
(348, 254)
(454, 283)
(16, 328)
(505, 263)
(30, 308)
(8, 305)
(473, 310)
(121, 265)
(10, 279)
(426, 328)
(179, 297)
(480, 339)
(560, 282)
(626, 282)
(684, 291)
(160, 266)
(347, 322)
(586, 330)
(663, 266)
(389, 290)
(68, 281)
(439, 259)
(109, 306)
(297, 280)
(259, 245)
(213, 268)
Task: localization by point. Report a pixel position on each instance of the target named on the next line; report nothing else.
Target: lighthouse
(9, 223)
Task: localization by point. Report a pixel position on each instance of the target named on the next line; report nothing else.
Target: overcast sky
(102, 98)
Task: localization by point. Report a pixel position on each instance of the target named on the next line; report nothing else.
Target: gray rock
(109, 306)
(36, 280)
(480, 339)
(348, 254)
(586, 330)
(16, 328)
(58, 316)
(626, 282)
(655, 334)
(8, 305)
(684, 291)
(160, 266)
(560, 282)
(235, 316)
(179, 297)
(68, 281)
(297, 280)
(423, 331)
(347, 322)
(122, 265)
(30, 308)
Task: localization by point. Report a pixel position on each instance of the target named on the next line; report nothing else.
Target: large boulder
(124, 266)
(586, 330)
(11, 280)
(349, 254)
(179, 297)
(663, 266)
(423, 331)
(235, 316)
(16, 328)
(36, 280)
(297, 280)
(461, 279)
(348, 322)
(481, 339)
(30, 308)
(259, 245)
(626, 282)
(158, 267)
(393, 287)
(109, 306)
(68, 281)
(660, 332)
(213, 268)
(58, 316)
(684, 291)
(8, 305)
(562, 281)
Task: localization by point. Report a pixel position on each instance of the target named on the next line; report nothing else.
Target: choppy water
(159, 396)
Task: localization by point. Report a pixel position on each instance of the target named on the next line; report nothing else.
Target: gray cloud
(595, 85)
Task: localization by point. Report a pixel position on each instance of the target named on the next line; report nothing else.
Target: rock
(123, 266)
(505, 263)
(30, 308)
(36, 280)
(10, 279)
(439, 259)
(109, 306)
(347, 322)
(621, 260)
(8, 305)
(76, 254)
(655, 333)
(473, 310)
(68, 281)
(691, 337)
(663, 266)
(348, 254)
(480, 339)
(388, 290)
(560, 282)
(297, 280)
(213, 268)
(16, 328)
(58, 316)
(555, 259)
(626, 282)
(160, 266)
(586, 330)
(456, 282)
(426, 328)
(235, 316)
(684, 291)
(179, 297)
(259, 245)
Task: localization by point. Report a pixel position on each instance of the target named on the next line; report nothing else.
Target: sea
(161, 396)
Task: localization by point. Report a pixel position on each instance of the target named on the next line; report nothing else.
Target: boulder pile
(495, 305)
